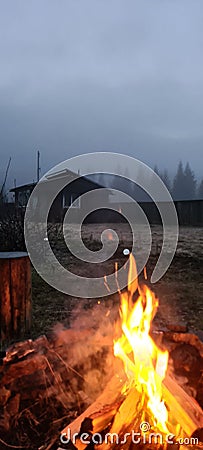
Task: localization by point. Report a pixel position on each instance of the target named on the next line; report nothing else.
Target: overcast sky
(80, 76)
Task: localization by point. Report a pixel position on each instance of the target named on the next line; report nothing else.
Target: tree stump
(15, 296)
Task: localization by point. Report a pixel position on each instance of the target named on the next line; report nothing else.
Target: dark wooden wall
(190, 212)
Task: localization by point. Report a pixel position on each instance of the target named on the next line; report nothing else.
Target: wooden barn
(70, 195)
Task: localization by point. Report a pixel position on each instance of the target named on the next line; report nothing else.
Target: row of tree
(184, 186)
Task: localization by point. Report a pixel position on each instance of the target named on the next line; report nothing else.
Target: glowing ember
(145, 364)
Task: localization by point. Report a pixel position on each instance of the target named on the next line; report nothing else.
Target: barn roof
(55, 175)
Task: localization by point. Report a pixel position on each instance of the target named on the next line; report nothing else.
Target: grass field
(180, 290)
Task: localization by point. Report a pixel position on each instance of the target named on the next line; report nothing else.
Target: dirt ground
(180, 291)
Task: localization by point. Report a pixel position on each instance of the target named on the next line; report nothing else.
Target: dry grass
(180, 291)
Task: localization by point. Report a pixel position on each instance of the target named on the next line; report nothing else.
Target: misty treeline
(183, 186)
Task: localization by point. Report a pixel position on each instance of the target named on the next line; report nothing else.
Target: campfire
(142, 405)
(147, 367)
(148, 383)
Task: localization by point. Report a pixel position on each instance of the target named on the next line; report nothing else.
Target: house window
(69, 199)
(76, 199)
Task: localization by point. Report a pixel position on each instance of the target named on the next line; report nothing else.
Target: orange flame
(145, 364)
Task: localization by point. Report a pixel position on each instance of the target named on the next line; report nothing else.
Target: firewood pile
(45, 384)
(107, 422)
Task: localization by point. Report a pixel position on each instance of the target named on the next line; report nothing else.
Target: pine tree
(200, 190)
(190, 183)
(184, 185)
(178, 183)
(166, 180)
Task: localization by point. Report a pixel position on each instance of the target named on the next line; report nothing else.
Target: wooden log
(5, 303)
(109, 400)
(182, 408)
(15, 296)
(27, 366)
(28, 295)
(127, 418)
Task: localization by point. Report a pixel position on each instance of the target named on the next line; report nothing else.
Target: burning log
(150, 396)
(44, 383)
(124, 413)
(104, 407)
(33, 388)
(183, 407)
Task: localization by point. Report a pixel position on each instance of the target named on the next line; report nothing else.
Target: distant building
(189, 212)
(22, 194)
(70, 195)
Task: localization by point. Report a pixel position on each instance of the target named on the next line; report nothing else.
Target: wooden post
(15, 296)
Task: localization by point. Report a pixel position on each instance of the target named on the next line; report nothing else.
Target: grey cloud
(89, 76)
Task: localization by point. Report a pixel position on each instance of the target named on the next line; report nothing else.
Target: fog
(94, 76)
